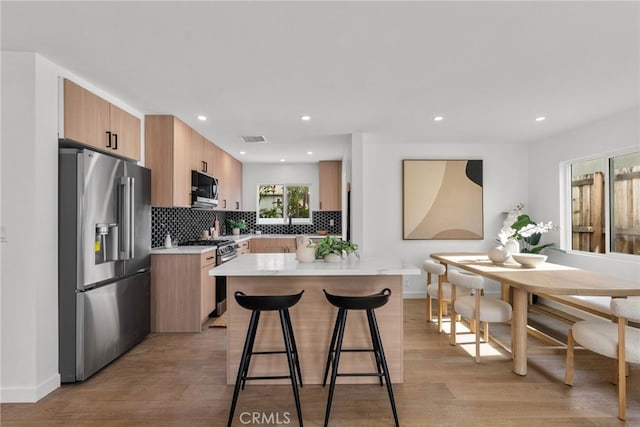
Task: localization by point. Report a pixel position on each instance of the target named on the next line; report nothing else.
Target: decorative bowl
(529, 260)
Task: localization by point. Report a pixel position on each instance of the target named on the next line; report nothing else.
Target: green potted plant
(237, 225)
(331, 248)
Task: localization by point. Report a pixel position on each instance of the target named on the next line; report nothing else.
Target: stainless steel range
(226, 251)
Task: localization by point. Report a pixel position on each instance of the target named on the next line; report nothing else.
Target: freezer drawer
(110, 320)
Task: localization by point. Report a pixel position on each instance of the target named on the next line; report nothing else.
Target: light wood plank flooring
(179, 380)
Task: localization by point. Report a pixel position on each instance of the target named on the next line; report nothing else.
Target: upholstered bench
(597, 306)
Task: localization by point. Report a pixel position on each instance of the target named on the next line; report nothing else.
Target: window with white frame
(284, 203)
(605, 204)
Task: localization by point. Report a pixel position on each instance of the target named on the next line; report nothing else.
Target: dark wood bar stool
(344, 304)
(258, 304)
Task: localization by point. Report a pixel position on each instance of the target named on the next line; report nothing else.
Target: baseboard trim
(414, 294)
(29, 394)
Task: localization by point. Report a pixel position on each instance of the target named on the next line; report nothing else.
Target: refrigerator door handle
(132, 217)
(127, 216)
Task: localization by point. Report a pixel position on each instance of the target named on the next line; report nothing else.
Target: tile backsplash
(187, 224)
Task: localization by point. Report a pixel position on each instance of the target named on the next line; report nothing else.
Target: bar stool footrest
(268, 377)
(269, 352)
(359, 374)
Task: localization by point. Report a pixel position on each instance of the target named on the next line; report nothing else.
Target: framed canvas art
(442, 200)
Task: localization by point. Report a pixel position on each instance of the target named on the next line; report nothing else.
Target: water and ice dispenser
(106, 243)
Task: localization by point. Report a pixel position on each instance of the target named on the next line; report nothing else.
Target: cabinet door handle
(108, 139)
(210, 257)
(115, 141)
(206, 167)
(225, 204)
(202, 164)
(237, 206)
(320, 205)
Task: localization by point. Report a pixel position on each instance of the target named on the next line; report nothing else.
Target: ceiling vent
(254, 139)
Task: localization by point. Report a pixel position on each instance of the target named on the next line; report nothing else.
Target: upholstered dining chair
(437, 289)
(477, 308)
(616, 340)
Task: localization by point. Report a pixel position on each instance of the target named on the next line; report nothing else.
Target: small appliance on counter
(104, 247)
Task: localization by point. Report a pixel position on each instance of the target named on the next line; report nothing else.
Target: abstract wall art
(442, 199)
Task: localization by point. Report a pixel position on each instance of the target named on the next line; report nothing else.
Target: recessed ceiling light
(305, 118)
(242, 153)
(438, 118)
(309, 152)
(541, 119)
(201, 117)
(282, 160)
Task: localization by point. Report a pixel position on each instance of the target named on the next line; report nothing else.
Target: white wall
(29, 213)
(357, 192)
(617, 132)
(254, 174)
(379, 175)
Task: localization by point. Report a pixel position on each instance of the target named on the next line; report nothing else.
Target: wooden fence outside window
(588, 216)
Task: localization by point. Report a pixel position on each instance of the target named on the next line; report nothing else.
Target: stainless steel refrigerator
(104, 257)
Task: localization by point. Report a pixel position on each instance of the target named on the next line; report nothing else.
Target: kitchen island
(313, 317)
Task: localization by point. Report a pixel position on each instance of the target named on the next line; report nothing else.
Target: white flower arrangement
(517, 225)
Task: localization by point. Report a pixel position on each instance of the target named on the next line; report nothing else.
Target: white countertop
(286, 265)
(274, 236)
(190, 250)
(183, 250)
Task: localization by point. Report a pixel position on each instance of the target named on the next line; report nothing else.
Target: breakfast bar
(313, 317)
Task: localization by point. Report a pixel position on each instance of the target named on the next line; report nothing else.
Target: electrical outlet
(331, 223)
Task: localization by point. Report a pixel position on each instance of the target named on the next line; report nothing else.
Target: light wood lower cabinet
(244, 247)
(182, 292)
(272, 245)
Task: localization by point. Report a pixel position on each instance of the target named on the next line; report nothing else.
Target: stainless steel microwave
(204, 191)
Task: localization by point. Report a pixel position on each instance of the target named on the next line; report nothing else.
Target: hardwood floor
(179, 380)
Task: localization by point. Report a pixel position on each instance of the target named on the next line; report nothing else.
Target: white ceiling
(383, 68)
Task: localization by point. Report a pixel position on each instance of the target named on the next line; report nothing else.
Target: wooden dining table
(547, 278)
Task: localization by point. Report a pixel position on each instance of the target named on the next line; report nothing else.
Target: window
(281, 203)
(605, 204)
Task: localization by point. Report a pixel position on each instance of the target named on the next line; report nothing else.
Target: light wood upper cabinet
(86, 116)
(204, 154)
(167, 154)
(125, 130)
(211, 154)
(223, 166)
(91, 120)
(173, 150)
(196, 152)
(235, 194)
(229, 174)
(330, 180)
